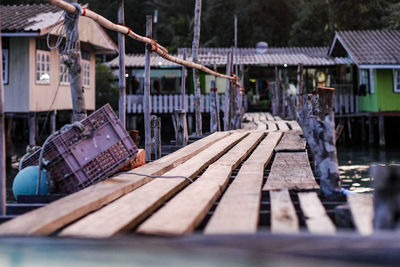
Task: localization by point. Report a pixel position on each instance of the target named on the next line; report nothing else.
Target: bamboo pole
(146, 97)
(196, 78)
(2, 144)
(157, 48)
(122, 78)
(74, 57)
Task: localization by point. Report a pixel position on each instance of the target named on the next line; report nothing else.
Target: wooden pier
(244, 182)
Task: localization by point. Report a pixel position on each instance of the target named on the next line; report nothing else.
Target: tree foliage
(280, 23)
(107, 90)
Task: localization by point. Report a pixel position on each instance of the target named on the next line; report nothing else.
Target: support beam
(146, 97)
(53, 125)
(382, 141)
(32, 129)
(370, 130)
(122, 78)
(227, 113)
(196, 74)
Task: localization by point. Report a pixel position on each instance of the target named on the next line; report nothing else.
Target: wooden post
(146, 97)
(370, 130)
(278, 94)
(349, 128)
(386, 196)
(325, 101)
(217, 101)
(300, 70)
(32, 129)
(53, 125)
(363, 130)
(2, 144)
(320, 135)
(183, 82)
(122, 78)
(156, 130)
(213, 107)
(227, 112)
(180, 126)
(74, 64)
(382, 141)
(196, 74)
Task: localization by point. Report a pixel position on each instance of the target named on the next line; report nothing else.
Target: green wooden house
(376, 55)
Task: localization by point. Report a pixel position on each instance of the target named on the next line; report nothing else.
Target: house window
(86, 73)
(64, 73)
(5, 60)
(396, 80)
(5, 65)
(42, 62)
(367, 80)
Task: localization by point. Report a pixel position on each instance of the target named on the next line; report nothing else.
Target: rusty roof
(369, 47)
(291, 56)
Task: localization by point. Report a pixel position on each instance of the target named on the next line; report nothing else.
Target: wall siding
(16, 92)
(388, 100)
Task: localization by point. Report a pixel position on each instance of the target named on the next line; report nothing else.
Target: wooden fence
(168, 103)
(345, 101)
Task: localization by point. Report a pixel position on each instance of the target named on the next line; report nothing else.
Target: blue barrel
(25, 182)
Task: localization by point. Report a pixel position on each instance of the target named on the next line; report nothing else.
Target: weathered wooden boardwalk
(244, 182)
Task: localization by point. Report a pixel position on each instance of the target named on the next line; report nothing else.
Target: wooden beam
(146, 96)
(269, 117)
(57, 214)
(184, 213)
(238, 209)
(196, 74)
(283, 214)
(362, 210)
(131, 209)
(2, 144)
(291, 141)
(121, 58)
(295, 126)
(317, 220)
(291, 171)
(271, 126)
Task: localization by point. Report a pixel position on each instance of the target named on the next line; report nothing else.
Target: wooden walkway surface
(243, 181)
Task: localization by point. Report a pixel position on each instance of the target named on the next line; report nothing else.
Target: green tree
(107, 90)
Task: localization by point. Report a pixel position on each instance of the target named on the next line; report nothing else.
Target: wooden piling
(370, 130)
(382, 141)
(146, 97)
(122, 78)
(196, 75)
(213, 107)
(53, 125)
(227, 113)
(32, 129)
(2, 144)
(180, 126)
(156, 136)
(74, 68)
(183, 82)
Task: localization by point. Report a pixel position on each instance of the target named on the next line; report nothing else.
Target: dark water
(354, 163)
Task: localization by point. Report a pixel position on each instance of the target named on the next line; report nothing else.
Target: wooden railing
(168, 103)
(345, 101)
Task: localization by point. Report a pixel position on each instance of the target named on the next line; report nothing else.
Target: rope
(157, 48)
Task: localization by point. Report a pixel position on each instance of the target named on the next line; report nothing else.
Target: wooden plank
(291, 141)
(291, 171)
(68, 209)
(269, 117)
(362, 210)
(317, 220)
(129, 210)
(260, 125)
(283, 127)
(271, 126)
(277, 118)
(283, 214)
(183, 213)
(295, 126)
(238, 209)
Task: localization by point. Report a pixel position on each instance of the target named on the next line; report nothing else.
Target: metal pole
(146, 98)
(74, 66)
(2, 144)
(122, 78)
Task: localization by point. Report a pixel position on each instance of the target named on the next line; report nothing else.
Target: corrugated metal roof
(370, 47)
(309, 56)
(28, 18)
